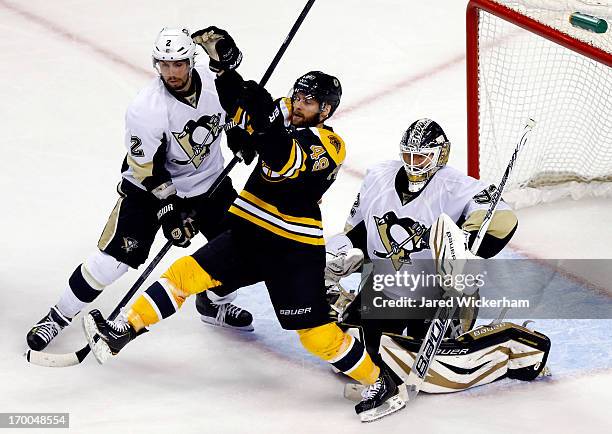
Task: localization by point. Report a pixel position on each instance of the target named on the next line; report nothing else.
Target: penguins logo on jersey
(401, 237)
(486, 196)
(129, 244)
(196, 138)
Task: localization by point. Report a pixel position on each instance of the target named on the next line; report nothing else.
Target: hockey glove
(258, 103)
(220, 47)
(176, 225)
(240, 141)
(342, 264)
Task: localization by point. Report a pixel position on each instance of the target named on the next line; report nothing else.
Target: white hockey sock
(88, 280)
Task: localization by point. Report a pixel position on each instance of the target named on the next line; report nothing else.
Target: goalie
(389, 222)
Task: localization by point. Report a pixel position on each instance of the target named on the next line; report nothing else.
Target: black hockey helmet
(323, 87)
(424, 150)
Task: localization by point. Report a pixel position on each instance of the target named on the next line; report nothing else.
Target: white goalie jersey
(176, 139)
(395, 223)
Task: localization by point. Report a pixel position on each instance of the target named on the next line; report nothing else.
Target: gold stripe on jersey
(141, 171)
(274, 210)
(502, 223)
(286, 110)
(242, 119)
(333, 144)
(292, 168)
(111, 226)
(295, 231)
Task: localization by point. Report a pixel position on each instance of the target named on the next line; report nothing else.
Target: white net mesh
(523, 75)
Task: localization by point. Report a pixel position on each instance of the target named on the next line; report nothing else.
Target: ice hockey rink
(69, 69)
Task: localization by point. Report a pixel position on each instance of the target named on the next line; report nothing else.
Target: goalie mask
(424, 149)
(172, 45)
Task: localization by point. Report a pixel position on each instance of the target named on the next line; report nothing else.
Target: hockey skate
(45, 330)
(353, 391)
(380, 399)
(106, 338)
(224, 315)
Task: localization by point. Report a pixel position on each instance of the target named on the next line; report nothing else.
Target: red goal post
(524, 63)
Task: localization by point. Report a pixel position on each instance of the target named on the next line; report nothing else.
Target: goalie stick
(70, 359)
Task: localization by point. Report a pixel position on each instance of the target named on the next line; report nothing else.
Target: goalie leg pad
(478, 357)
(343, 351)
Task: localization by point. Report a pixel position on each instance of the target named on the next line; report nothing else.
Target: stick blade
(51, 360)
(531, 123)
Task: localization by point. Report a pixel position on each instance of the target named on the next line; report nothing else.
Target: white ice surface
(69, 70)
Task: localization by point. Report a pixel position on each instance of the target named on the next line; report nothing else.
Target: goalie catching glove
(220, 47)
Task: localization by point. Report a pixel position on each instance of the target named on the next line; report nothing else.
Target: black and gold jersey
(296, 166)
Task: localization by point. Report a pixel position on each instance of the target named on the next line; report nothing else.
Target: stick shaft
(500, 188)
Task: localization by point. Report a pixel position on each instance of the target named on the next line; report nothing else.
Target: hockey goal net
(525, 60)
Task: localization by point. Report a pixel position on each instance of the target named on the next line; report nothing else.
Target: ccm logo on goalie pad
(301, 311)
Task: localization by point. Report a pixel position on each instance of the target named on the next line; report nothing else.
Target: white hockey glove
(342, 259)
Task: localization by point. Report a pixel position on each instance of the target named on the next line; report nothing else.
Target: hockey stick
(502, 184)
(444, 315)
(70, 359)
(279, 54)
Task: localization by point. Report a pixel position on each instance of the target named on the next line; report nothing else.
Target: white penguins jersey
(175, 139)
(395, 230)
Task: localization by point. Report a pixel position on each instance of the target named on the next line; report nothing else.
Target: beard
(300, 120)
(176, 83)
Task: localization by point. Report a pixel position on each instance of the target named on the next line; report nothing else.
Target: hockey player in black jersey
(276, 233)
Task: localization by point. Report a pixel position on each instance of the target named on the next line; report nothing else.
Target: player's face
(306, 111)
(418, 161)
(175, 74)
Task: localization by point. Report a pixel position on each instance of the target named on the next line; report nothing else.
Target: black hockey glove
(220, 47)
(177, 226)
(238, 140)
(258, 103)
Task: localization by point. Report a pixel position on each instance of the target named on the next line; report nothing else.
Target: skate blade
(352, 392)
(393, 404)
(99, 348)
(213, 322)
